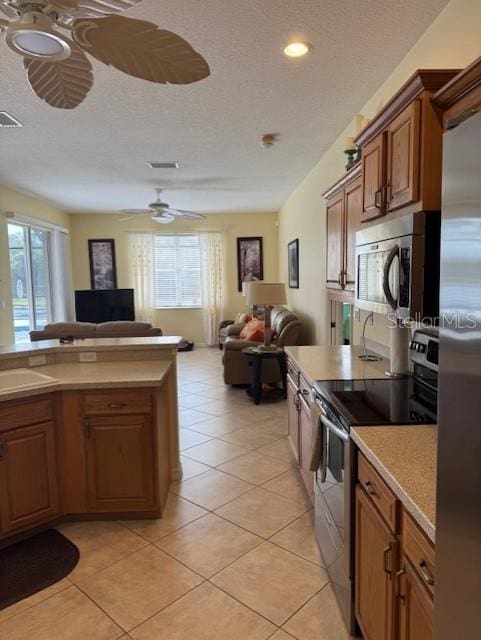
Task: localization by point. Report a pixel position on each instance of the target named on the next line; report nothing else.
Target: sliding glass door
(30, 268)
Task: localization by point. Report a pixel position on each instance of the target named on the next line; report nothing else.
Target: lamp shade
(266, 293)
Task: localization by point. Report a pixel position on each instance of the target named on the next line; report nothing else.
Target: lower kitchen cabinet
(376, 549)
(305, 445)
(416, 606)
(28, 477)
(120, 462)
(394, 574)
(293, 416)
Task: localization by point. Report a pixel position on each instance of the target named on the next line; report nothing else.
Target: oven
(333, 506)
(397, 267)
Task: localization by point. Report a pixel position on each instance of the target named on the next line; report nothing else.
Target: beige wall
(27, 206)
(452, 41)
(186, 322)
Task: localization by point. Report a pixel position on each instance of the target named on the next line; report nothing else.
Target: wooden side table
(256, 358)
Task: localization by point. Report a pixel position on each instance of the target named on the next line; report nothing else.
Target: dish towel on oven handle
(316, 451)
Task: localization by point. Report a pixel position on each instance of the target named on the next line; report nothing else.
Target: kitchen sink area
(22, 380)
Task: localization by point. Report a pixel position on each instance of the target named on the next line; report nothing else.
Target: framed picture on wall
(293, 263)
(103, 269)
(250, 260)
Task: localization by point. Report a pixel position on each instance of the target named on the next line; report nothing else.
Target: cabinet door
(376, 549)
(403, 157)
(416, 607)
(305, 446)
(335, 241)
(373, 178)
(353, 203)
(293, 416)
(28, 476)
(120, 462)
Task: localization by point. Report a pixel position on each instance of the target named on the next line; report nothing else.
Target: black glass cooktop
(379, 402)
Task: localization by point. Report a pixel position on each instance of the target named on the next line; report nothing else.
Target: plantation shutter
(177, 271)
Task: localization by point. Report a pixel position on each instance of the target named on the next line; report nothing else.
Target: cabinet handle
(339, 279)
(386, 553)
(305, 392)
(87, 428)
(370, 490)
(399, 575)
(117, 405)
(2, 449)
(386, 194)
(377, 199)
(423, 569)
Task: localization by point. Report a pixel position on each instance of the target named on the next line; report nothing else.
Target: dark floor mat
(34, 564)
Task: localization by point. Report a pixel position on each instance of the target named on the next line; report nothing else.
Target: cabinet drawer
(380, 494)
(117, 402)
(419, 550)
(21, 415)
(293, 372)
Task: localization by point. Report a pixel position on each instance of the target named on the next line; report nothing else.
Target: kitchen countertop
(96, 375)
(91, 344)
(406, 459)
(336, 363)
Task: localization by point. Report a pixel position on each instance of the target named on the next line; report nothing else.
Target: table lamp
(267, 294)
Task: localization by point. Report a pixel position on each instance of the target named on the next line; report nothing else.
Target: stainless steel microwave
(397, 267)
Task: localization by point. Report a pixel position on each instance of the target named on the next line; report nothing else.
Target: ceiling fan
(161, 212)
(57, 68)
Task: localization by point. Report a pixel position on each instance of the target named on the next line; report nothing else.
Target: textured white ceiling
(94, 158)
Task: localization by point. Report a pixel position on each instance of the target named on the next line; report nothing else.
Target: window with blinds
(177, 271)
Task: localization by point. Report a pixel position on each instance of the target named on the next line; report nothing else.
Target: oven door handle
(340, 433)
(385, 280)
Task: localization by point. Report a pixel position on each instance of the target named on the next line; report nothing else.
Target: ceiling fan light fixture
(297, 49)
(33, 36)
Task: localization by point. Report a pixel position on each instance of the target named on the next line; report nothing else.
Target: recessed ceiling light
(297, 49)
(164, 164)
(6, 120)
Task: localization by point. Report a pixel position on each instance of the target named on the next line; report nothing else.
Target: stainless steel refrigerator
(458, 522)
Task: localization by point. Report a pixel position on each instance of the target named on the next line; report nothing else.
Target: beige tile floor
(233, 558)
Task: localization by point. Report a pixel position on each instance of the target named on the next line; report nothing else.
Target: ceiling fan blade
(95, 8)
(63, 84)
(140, 49)
(188, 215)
(137, 212)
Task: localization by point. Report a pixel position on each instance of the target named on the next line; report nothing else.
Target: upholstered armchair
(286, 328)
(228, 328)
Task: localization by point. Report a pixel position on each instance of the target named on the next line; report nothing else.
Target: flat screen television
(104, 305)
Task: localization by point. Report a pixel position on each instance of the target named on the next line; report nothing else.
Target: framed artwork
(103, 270)
(250, 260)
(293, 263)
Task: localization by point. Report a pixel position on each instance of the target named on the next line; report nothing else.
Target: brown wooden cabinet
(376, 549)
(28, 477)
(403, 144)
(373, 178)
(120, 462)
(293, 416)
(394, 574)
(305, 445)
(416, 607)
(344, 207)
(335, 241)
(402, 150)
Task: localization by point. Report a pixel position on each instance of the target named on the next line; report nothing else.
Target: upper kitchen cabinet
(344, 207)
(402, 150)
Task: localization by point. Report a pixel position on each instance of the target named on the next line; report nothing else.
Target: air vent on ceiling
(170, 164)
(6, 120)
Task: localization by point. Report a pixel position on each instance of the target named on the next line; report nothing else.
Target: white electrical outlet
(37, 361)
(87, 356)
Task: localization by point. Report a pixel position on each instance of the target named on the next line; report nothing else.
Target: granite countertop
(90, 344)
(95, 375)
(405, 456)
(335, 363)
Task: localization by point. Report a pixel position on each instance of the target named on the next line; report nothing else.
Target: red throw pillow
(253, 331)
